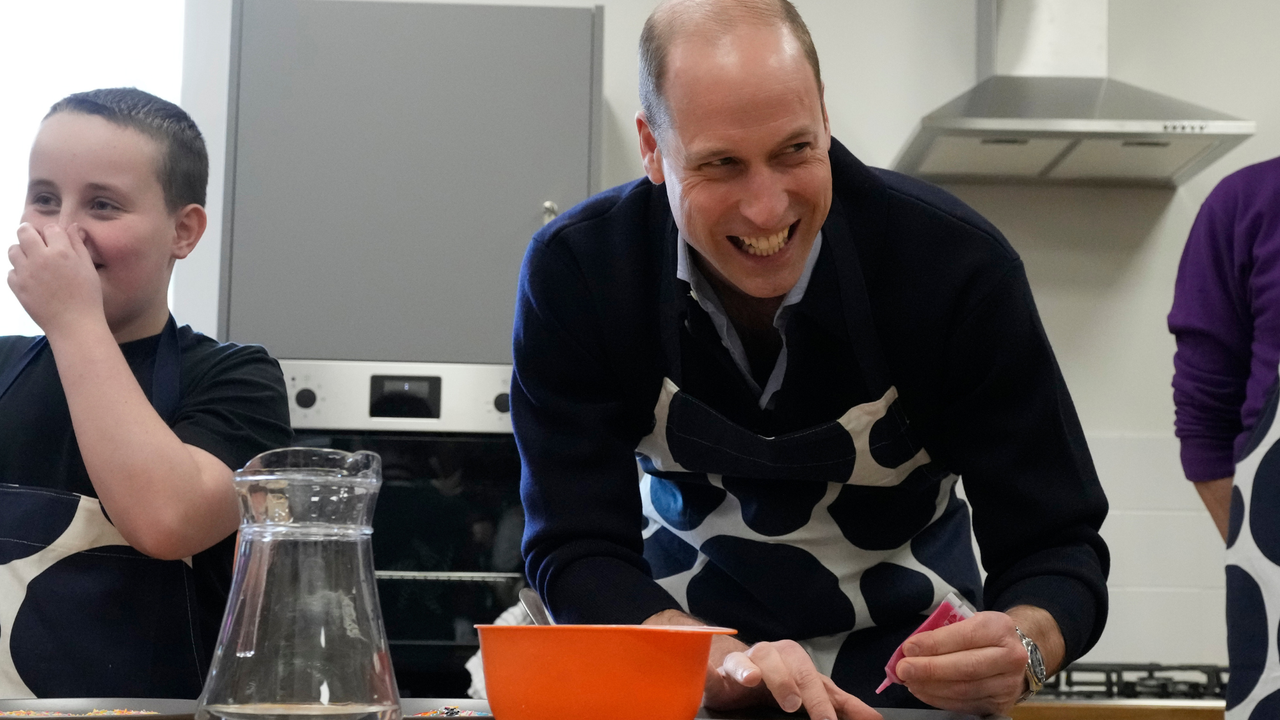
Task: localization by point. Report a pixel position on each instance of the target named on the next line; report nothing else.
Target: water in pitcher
(302, 636)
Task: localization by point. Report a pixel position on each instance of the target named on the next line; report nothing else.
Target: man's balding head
(674, 19)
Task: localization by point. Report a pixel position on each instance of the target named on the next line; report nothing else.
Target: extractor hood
(1077, 127)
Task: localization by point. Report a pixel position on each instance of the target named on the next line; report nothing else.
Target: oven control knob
(502, 403)
(305, 398)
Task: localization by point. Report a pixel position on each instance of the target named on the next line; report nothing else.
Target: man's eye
(721, 162)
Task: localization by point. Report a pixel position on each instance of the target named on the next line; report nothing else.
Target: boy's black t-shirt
(232, 404)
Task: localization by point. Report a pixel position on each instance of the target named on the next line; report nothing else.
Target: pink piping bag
(952, 610)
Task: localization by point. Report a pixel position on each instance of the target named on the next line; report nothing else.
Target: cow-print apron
(81, 612)
(840, 536)
(1253, 576)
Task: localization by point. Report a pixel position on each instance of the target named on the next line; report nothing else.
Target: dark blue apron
(83, 614)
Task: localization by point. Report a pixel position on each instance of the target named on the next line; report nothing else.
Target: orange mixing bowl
(595, 672)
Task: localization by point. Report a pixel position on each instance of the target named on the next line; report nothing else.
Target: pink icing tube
(952, 610)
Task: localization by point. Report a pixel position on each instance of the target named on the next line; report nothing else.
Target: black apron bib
(81, 612)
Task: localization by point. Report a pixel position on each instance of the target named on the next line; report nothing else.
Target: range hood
(1049, 114)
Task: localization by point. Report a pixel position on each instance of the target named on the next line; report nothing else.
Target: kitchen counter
(1120, 709)
(184, 709)
(411, 706)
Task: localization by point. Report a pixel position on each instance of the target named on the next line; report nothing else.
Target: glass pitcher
(302, 636)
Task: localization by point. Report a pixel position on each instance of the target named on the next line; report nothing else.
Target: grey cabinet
(387, 164)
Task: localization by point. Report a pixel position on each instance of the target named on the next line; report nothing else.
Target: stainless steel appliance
(1045, 111)
(447, 526)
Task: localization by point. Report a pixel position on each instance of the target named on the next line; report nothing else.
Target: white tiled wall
(1166, 585)
(1167, 589)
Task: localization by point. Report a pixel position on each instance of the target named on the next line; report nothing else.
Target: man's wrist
(672, 617)
(1040, 626)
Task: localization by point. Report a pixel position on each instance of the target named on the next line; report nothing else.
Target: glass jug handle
(255, 580)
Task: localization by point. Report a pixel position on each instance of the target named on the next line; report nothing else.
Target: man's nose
(765, 200)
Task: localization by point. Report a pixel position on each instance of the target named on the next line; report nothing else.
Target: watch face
(1035, 663)
(1036, 660)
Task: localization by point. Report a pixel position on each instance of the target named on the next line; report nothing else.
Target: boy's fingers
(75, 235)
(16, 256)
(29, 238)
(55, 236)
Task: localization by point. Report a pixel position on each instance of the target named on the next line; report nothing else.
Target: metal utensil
(533, 605)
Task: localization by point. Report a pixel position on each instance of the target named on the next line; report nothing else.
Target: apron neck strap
(863, 336)
(12, 372)
(166, 376)
(166, 385)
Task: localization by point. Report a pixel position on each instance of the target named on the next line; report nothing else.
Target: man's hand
(779, 672)
(54, 277)
(978, 666)
(768, 673)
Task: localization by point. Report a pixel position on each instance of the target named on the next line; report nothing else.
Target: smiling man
(803, 355)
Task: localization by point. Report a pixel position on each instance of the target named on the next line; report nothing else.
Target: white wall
(886, 64)
(205, 70)
(1102, 265)
(100, 45)
(1101, 261)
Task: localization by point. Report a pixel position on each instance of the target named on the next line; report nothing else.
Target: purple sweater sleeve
(1226, 319)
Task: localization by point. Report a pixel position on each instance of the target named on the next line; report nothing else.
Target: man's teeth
(765, 246)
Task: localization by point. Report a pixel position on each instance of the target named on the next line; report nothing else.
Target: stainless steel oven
(448, 521)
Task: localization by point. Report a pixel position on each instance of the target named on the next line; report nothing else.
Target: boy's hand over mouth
(54, 278)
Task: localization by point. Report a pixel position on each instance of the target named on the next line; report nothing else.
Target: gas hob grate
(1087, 681)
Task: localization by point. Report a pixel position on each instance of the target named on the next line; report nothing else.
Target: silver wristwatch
(1035, 666)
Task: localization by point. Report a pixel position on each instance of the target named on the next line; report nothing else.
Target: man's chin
(767, 277)
(763, 286)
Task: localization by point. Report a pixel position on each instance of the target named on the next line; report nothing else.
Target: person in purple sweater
(1226, 318)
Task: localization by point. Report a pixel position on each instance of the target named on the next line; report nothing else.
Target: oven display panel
(402, 396)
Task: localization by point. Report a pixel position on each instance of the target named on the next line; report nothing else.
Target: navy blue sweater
(913, 292)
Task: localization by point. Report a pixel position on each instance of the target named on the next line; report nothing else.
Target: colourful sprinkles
(452, 711)
(51, 714)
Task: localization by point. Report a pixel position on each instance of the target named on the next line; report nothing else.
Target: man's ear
(650, 153)
(822, 101)
(189, 225)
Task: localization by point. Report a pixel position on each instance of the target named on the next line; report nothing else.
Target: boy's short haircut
(184, 163)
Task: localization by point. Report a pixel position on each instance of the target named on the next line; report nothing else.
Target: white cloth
(514, 615)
